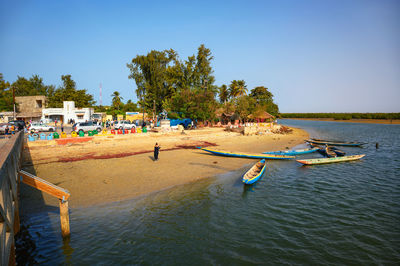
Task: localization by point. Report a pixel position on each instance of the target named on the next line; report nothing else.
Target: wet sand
(130, 170)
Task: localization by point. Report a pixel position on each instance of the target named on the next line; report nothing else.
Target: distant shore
(367, 121)
(116, 168)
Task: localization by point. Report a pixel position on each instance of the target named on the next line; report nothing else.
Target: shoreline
(365, 121)
(94, 182)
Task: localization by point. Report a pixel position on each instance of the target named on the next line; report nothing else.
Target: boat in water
(331, 160)
(293, 152)
(335, 142)
(254, 173)
(248, 155)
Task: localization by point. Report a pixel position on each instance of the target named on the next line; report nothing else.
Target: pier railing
(10, 155)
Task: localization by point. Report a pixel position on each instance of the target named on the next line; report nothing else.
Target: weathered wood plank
(44, 186)
(64, 219)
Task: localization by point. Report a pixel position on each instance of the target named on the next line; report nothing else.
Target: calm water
(346, 213)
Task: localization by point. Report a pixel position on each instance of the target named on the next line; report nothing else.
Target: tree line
(35, 86)
(184, 88)
(342, 116)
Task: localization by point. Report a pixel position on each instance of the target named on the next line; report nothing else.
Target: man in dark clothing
(156, 151)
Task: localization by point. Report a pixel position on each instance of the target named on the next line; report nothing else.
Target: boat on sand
(248, 155)
(254, 173)
(331, 160)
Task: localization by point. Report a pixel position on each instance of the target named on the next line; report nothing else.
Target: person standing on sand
(156, 151)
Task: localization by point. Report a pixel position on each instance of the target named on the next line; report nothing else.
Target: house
(67, 113)
(30, 107)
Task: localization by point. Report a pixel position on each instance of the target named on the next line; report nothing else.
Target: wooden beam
(64, 219)
(44, 186)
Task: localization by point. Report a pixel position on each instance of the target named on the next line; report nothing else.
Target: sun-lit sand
(130, 170)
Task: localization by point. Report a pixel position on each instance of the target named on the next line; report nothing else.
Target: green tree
(241, 87)
(33, 86)
(223, 93)
(6, 100)
(245, 105)
(68, 92)
(264, 98)
(116, 100)
(233, 89)
(130, 107)
(150, 73)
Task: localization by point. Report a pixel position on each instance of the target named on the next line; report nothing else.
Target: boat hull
(332, 143)
(254, 173)
(331, 160)
(292, 152)
(248, 155)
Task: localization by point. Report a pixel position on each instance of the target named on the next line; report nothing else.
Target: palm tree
(233, 89)
(116, 100)
(223, 93)
(242, 87)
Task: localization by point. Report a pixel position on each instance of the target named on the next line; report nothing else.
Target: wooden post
(64, 218)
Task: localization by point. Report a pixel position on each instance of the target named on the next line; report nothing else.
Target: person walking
(156, 151)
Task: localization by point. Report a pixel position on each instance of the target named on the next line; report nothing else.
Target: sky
(314, 56)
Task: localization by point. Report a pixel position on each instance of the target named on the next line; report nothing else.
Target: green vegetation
(342, 116)
(184, 88)
(187, 89)
(35, 86)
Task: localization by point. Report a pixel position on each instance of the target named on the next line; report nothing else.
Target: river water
(345, 213)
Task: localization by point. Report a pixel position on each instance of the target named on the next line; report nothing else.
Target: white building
(68, 112)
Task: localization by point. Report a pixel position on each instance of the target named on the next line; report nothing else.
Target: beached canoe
(335, 143)
(292, 152)
(331, 160)
(254, 173)
(248, 155)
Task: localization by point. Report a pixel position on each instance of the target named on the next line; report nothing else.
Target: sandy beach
(114, 168)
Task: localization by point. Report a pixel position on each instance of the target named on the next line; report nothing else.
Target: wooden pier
(10, 177)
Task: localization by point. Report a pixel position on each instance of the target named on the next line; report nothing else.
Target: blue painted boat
(292, 152)
(254, 173)
(248, 155)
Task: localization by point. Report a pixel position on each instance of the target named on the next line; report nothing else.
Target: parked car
(124, 124)
(87, 126)
(38, 127)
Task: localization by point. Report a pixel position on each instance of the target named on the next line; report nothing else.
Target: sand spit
(107, 169)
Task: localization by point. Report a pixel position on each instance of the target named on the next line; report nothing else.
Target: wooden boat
(335, 143)
(248, 155)
(254, 173)
(292, 152)
(331, 160)
(337, 151)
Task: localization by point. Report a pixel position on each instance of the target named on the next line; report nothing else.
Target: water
(345, 213)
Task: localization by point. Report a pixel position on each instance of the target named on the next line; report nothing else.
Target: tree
(6, 100)
(183, 87)
(233, 89)
(245, 105)
(33, 86)
(223, 93)
(68, 92)
(264, 98)
(241, 87)
(150, 73)
(130, 107)
(116, 100)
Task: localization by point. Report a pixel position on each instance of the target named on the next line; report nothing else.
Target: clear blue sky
(314, 56)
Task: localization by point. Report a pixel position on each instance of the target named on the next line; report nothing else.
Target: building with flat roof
(30, 107)
(67, 113)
